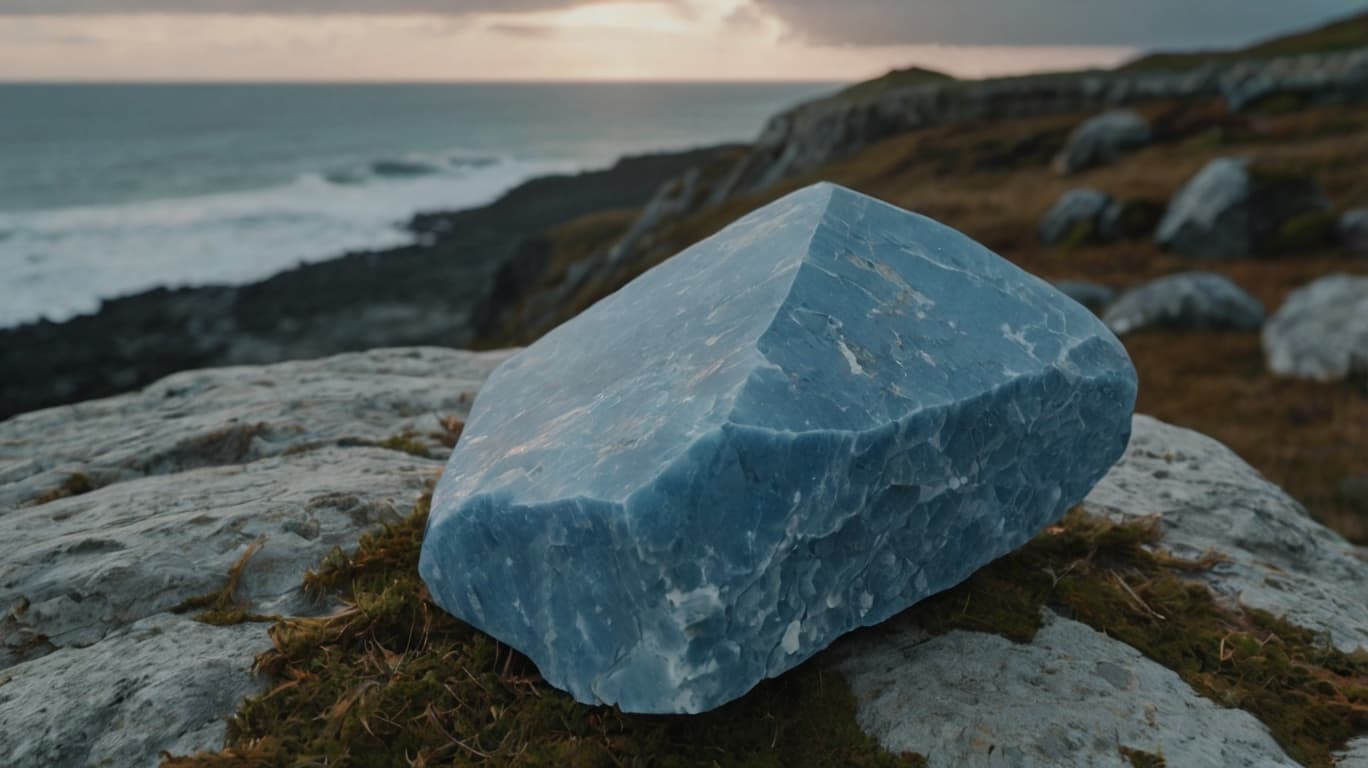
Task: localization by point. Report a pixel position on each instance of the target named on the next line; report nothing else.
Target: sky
(349, 40)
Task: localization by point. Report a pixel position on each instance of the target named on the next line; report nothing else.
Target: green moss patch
(392, 680)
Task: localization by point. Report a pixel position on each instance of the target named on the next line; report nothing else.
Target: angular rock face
(1184, 301)
(1102, 140)
(1321, 330)
(802, 425)
(1235, 209)
(1075, 217)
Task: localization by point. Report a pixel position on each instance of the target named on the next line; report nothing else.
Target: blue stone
(802, 425)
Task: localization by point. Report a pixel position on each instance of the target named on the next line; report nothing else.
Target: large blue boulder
(802, 425)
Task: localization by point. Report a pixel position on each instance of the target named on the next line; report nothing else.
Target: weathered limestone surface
(1184, 301)
(826, 412)
(1072, 696)
(1321, 330)
(94, 669)
(1278, 558)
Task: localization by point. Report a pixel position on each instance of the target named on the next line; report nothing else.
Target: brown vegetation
(992, 180)
(392, 680)
(1344, 34)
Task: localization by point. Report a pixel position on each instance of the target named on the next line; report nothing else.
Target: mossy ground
(392, 680)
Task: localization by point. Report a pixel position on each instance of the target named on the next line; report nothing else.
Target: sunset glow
(532, 40)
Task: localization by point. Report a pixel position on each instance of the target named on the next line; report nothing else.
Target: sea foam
(60, 263)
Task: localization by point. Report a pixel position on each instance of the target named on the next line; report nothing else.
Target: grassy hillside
(1345, 34)
(992, 180)
(898, 78)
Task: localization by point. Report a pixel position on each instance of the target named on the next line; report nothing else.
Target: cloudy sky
(611, 39)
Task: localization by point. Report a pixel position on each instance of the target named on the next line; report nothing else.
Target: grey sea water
(110, 189)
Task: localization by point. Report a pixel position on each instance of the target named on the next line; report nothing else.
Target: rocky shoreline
(439, 290)
(479, 277)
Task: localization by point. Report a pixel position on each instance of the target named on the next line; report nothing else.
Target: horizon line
(430, 81)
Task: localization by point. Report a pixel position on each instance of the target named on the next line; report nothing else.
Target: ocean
(107, 190)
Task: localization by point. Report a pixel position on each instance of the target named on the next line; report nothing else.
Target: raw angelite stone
(826, 412)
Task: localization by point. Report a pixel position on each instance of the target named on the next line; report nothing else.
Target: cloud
(530, 31)
(1143, 23)
(278, 7)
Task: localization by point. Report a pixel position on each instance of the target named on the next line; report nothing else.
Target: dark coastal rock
(1075, 218)
(1321, 330)
(1102, 140)
(439, 291)
(1091, 295)
(1236, 208)
(1352, 231)
(1185, 301)
(775, 437)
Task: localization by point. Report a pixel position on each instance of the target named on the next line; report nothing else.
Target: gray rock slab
(94, 669)
(1321, 330)
(1101, 140)
(1355, 755)
(1070, 697)
(1073, 696)
(1185, 301)
(163, 683)
(76, 569)
(235, 415)
(1209, 499)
